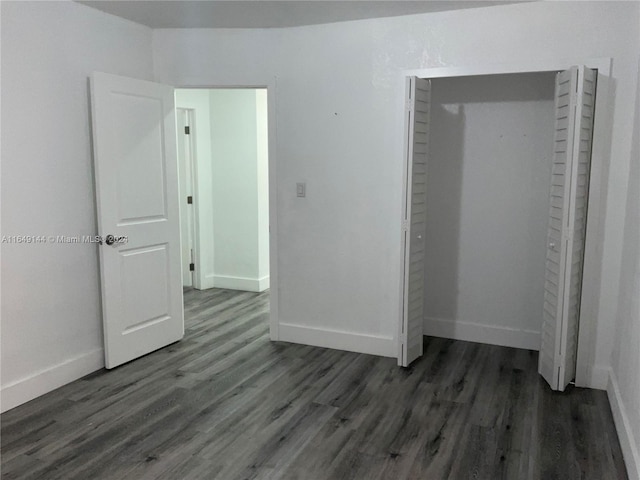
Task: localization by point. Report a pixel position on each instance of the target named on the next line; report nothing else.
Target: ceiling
(266, 13)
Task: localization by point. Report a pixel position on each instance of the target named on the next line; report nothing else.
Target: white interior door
(418, 101)
(136, 173)
(574, 111)
(187, 196)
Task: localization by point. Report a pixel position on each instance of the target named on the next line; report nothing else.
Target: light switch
(301, 189)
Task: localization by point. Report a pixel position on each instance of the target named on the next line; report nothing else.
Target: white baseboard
(629, 444)
(264, 283)
(207, 282)
(475, 332)
(25, 389)
(337, 339)
(236, 283)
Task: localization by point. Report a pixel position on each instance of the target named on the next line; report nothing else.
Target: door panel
(418, 111)
(575, 101)
(136, 176)
(135, 153)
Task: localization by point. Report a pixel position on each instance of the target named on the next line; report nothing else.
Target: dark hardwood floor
(226, 403)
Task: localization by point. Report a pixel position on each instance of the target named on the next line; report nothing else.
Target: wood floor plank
(227, 403)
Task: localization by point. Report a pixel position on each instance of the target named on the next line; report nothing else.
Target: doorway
(570, 179)
(223, 153)
(488, 186)
(139, 195)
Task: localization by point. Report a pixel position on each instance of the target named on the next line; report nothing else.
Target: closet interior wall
(488, 184)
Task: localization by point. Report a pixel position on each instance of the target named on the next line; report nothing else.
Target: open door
(418, 103)
(574, 111)
(136, 174)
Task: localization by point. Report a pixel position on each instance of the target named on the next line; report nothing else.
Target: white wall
(489, 176)
(339, 127)
(624, 383)
(236, 183)
(51, 313)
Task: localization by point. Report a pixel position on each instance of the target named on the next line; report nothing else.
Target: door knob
(552, 245)
(110, 240)
(419, 237)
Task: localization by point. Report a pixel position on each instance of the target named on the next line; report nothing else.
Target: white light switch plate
(301, 189)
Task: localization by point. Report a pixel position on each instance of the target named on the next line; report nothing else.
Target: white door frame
(270, 85)
(191, 212)
(597, 184)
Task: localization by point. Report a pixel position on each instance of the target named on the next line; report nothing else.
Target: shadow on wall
(444, 197)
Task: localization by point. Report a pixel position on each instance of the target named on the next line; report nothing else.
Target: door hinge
(189, 199)
(405, 225)
(192, 267)
(187, 130)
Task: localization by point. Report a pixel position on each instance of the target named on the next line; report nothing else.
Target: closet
(494, 213)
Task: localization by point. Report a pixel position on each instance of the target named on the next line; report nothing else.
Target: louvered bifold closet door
(414, 225)
(574, 111)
